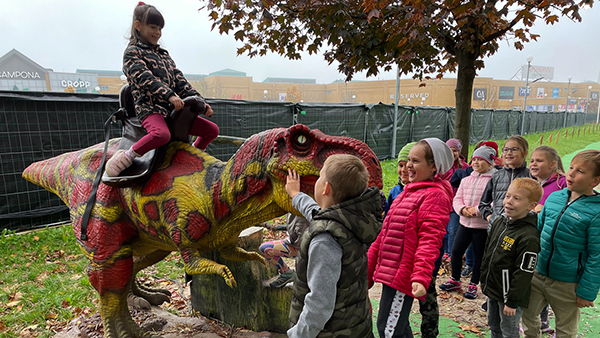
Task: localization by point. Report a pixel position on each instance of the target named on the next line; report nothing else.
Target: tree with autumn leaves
(420, 37)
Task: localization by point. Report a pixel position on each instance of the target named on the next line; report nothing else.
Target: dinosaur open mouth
(308, 181)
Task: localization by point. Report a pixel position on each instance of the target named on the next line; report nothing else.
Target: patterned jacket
(153, 78)
(354, 224)
(410, 241)
(468, 195)
(509, 259)
(570, 241)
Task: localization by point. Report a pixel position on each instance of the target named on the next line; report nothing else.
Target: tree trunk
(463, 94)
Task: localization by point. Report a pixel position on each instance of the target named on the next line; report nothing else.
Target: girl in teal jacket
(568, 267)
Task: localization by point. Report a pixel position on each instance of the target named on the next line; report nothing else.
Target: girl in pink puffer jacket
(403, 255)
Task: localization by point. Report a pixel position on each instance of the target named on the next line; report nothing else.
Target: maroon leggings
(159, 134)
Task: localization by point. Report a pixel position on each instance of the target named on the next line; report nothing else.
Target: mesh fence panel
(33, 129)
(380, 126)
(244, 119)
(514, 122)
(481, 124)
(500, 124)
(451, 118)
(334, 119)
(429, 122)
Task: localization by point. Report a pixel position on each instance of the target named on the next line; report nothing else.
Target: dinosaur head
(306, 150)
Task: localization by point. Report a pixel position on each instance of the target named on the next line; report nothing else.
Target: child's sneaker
(446, 257)
(545, 326)
(450, 285)
(471, 291)
(467, 271)
(120, 161)
(283, 279)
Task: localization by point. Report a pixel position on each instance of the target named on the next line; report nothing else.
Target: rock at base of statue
(252, 304)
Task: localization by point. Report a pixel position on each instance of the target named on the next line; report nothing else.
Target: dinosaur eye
(301, 143)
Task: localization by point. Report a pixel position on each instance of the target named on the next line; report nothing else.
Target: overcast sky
(66, 35)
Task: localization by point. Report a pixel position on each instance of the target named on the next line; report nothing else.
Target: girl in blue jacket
(568, 269)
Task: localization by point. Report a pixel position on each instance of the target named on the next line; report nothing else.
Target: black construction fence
(37, 125)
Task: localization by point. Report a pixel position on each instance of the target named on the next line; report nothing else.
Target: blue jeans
(470, 256)
(502, 326)
(451, 229)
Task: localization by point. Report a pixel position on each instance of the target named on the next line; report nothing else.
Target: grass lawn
(43, 282)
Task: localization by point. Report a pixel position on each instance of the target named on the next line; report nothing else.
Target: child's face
(513, 155)
(480, 165)
(417, 166)
(541, 168)
(320, 187)
(580, 177)
(516, 202)
(150, 33)
(403, 171)
(455, 153)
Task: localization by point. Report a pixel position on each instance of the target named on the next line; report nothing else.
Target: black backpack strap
(118, 115)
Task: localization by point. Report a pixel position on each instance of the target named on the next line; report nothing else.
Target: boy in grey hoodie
(330, 294)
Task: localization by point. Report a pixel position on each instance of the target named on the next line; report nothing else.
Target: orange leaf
(36, 238)
(51, 315)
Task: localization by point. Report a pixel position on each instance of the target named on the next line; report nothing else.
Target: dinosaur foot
(123, 327)
(144, 297)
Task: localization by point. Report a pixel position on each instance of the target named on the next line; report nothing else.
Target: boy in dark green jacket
(510, 256)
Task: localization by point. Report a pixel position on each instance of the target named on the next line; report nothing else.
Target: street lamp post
(510, 104)
(353, 98)
(567, 103)
(545, 105)
(529, 59)
(265, 92)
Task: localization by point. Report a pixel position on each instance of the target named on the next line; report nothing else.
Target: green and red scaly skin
(192, 203)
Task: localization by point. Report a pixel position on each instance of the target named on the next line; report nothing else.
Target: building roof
(104, 73)
(289, 80)
(227, 72)
(118, 73)
(15, 53)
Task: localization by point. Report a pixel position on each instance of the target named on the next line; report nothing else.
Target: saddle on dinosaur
(191, 203)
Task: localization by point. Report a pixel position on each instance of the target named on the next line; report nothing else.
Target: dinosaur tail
(57, 174)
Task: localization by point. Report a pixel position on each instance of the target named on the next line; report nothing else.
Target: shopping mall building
(18, 72)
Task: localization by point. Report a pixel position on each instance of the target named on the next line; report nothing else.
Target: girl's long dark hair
(147, 15)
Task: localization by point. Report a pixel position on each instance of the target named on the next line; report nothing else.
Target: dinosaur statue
(192, 203)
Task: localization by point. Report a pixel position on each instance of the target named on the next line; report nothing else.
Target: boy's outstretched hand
(292, 183)
(584, 302)
(418, 290)
(509, 311)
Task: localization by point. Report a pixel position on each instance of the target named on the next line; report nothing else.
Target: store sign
(506, 93)
(74, 84)
(479, 94)
(522, 91)
(413, 96)
(18, 74)
(594, 96)
(555, 92)
(540, 93)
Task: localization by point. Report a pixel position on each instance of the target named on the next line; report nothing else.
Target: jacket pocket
(580, 264)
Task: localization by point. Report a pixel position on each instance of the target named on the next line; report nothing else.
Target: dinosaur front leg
(235, 253)
(198, 265)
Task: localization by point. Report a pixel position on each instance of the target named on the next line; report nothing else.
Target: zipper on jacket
(487, 277)
(473, 195)
(554, 231)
